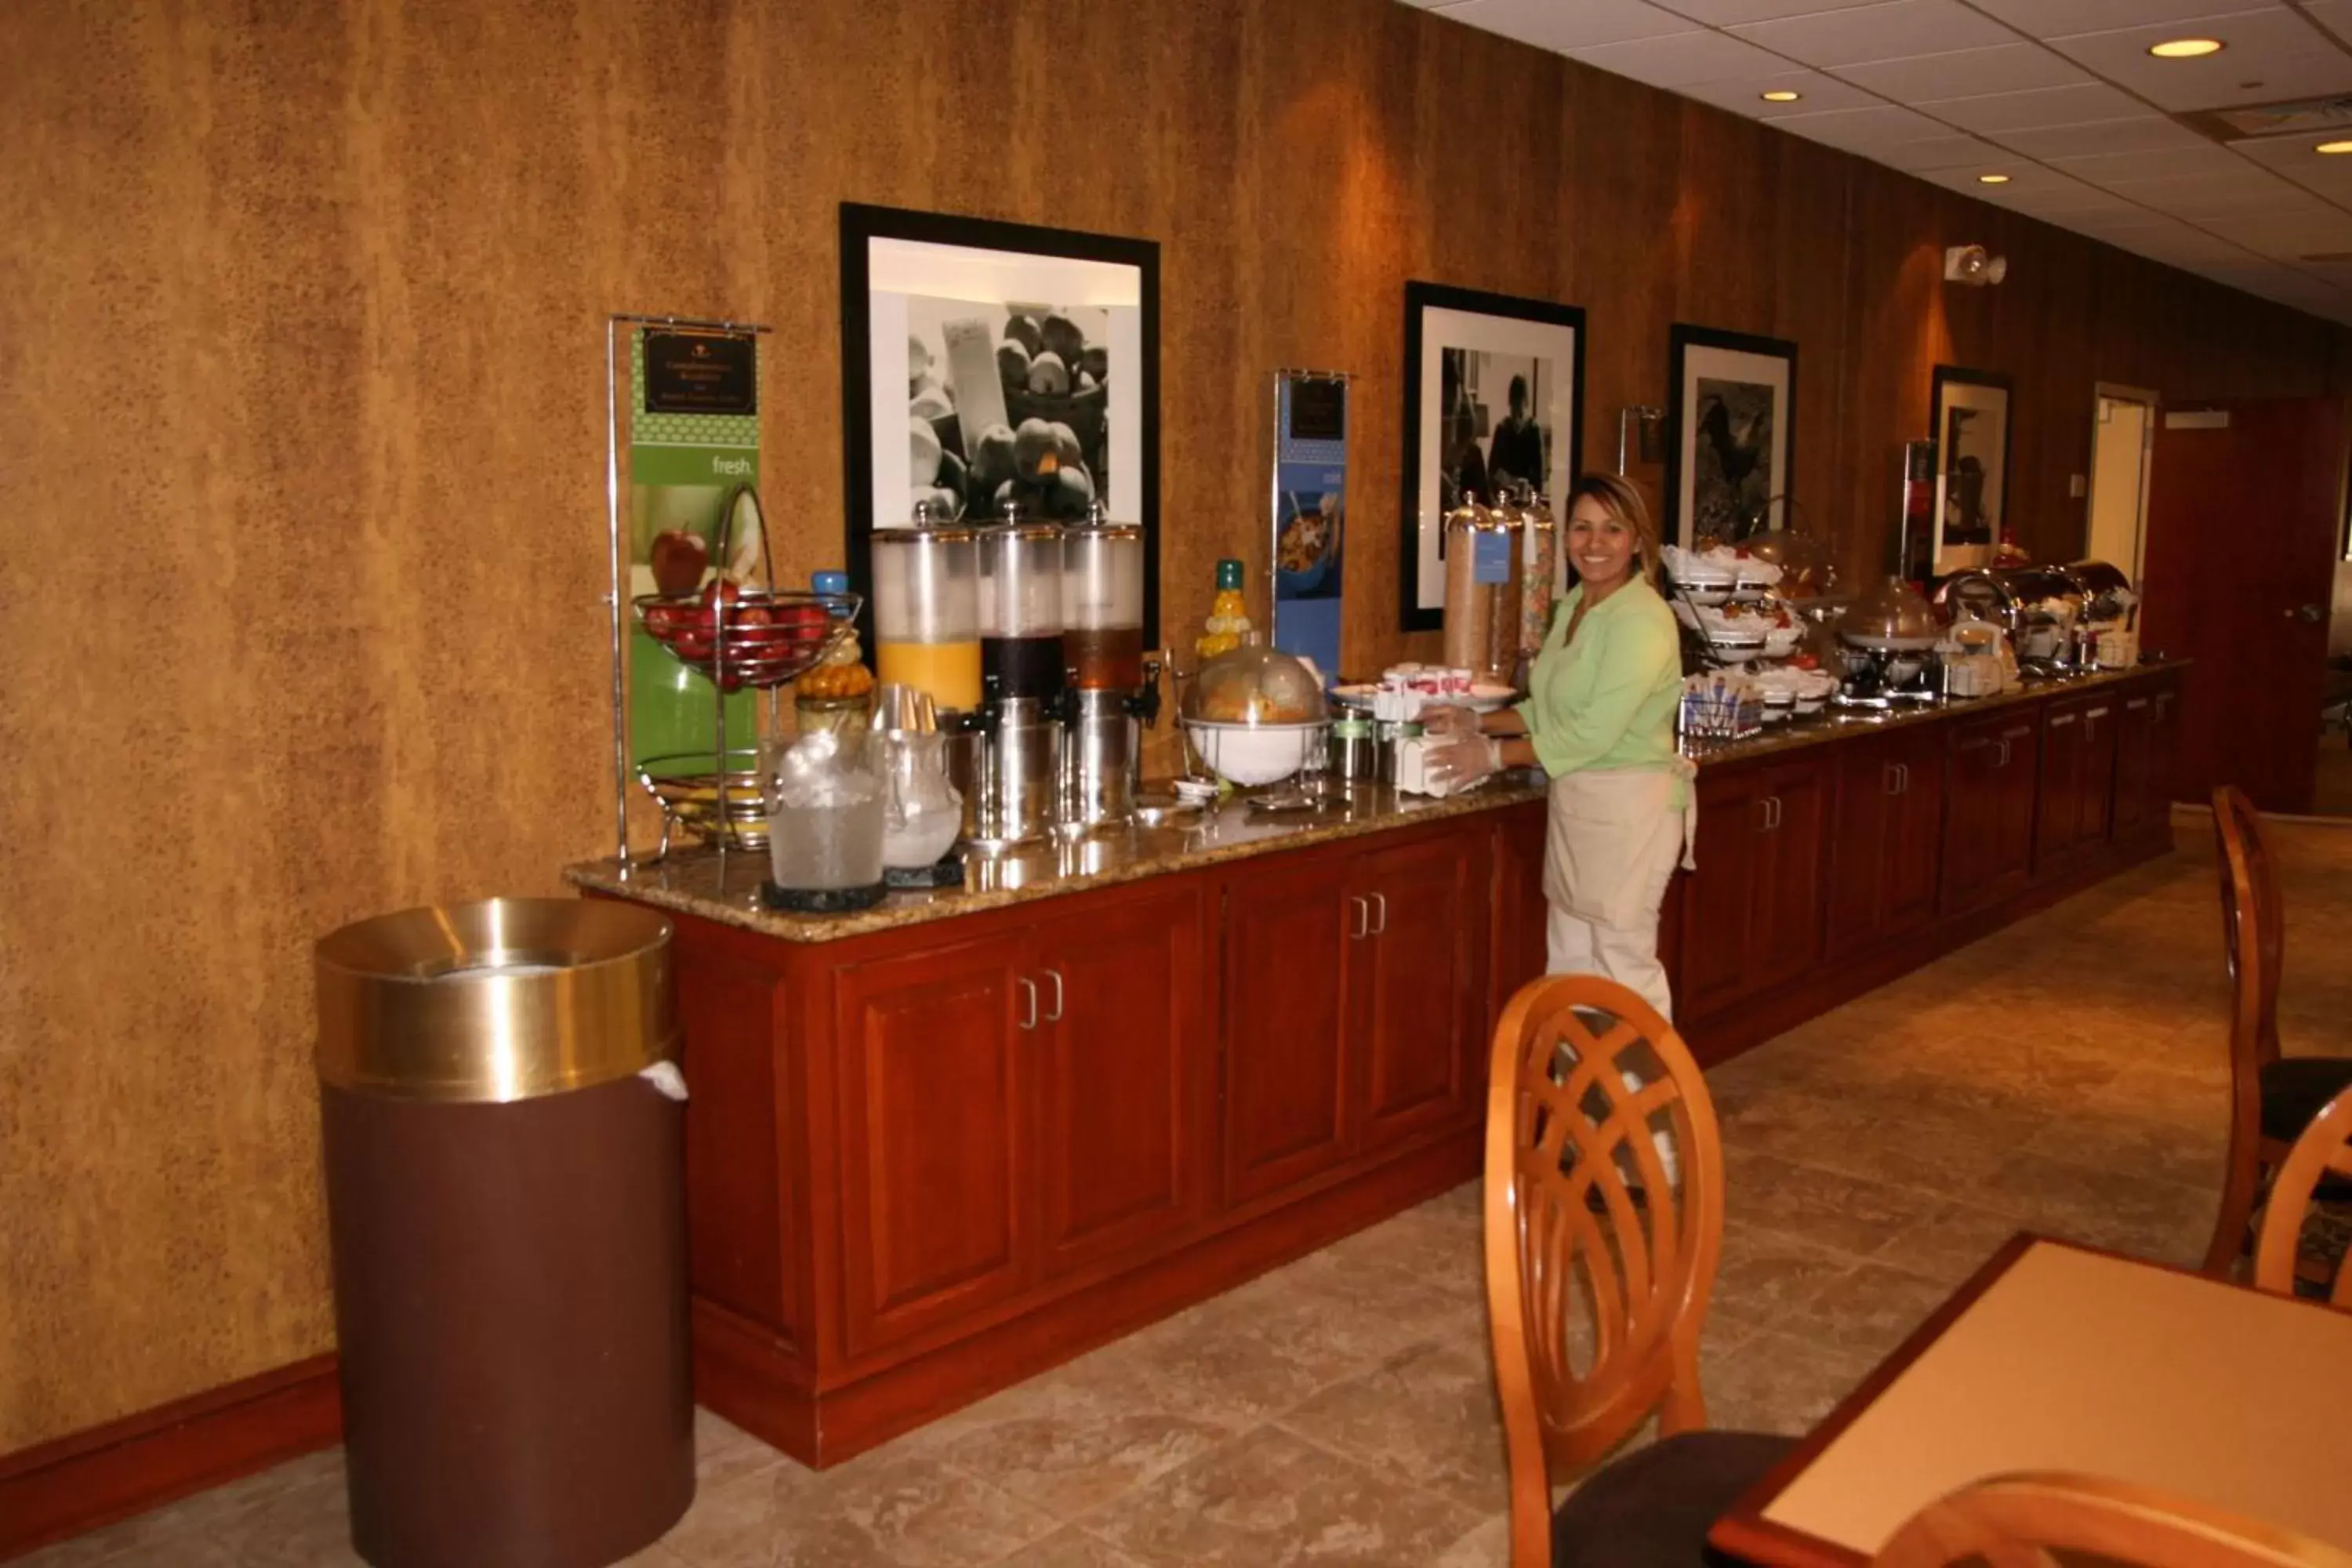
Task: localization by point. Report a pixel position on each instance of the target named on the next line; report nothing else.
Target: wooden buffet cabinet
(936, 1150)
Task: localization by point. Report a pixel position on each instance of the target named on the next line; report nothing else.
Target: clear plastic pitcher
(825, 812)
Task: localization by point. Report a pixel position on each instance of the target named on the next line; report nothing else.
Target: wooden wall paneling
(348, 280)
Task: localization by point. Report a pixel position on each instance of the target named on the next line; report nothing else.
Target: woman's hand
(1458, 763)
(1448, 721)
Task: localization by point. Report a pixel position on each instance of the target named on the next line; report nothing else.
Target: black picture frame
(1685, 340)
(1944, 557)
(861, 225)
(1568, 458)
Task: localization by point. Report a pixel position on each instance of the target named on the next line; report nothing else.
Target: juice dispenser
(1023, 673)
(927, 610)
(1116, 691)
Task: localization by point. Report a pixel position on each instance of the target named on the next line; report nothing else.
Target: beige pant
(1630, 957)
(1613, 844)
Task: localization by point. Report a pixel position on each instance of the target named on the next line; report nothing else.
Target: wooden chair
(2272, 1097)
(2324, 1152)
(1586, 1227)
(2024, 1521)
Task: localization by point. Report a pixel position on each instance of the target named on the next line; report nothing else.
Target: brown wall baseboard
(89, 1480)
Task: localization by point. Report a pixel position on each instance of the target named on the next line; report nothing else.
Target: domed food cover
(2107, 591)
(1891, 615)
(1256, 686)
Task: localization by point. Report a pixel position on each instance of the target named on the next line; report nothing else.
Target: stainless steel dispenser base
(1019, 775)
(1101, 757)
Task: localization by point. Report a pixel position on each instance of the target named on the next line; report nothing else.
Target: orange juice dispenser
(927, 610)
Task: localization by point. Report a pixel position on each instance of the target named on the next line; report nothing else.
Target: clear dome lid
(1891, 614)
(1256, 685)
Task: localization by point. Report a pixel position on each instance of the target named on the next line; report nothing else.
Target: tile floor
(2066, 1075)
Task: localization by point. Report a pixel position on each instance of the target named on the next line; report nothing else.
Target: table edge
(1743, 1529)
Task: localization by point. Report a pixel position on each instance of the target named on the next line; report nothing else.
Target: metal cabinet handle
(1904, 770)
(1382, 900)
(1894, 778)
(2058, 719)
(1029, 989)
(1772, 803)
(1055, 1015)
(2135, 704)
(1363, 918)
(2002, 760)
(2096, 713)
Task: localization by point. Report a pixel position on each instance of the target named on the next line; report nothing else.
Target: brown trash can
(505, 1171)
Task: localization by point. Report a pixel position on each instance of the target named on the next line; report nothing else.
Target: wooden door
(1122, 1095)
(2245, 515)
(1987, 853)
(1291, 935)
(2133, 728)
(1718, 898)
(1517, 947)
(1417, 1035)
(1788, 940)
(1853, 905)
(2061, 785)
(931, 1051)
(2095, 795)
(1912, 862)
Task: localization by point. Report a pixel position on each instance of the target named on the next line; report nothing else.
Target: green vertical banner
(693, 438)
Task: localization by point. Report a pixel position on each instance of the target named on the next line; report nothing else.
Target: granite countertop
(727, 889)
(1837, 724)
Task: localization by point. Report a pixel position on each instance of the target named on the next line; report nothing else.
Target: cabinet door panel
(1119, 1085)
(2095, 790)
(2060, 772)
(1852, 906)
(1288, 949)
(1517, 942)
(1915, 838)
(1422, 1011)
(2133, 728)
(1971, 814)
(1789, 880)
(930, 1052)
(2013, 819)
(1718, 899)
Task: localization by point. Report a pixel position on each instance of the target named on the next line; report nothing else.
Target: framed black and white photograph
(1971, 436)
(1731, 433)
(1031, 375)
(1492, 389)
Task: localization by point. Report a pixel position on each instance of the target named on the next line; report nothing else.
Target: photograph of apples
(1007, 402)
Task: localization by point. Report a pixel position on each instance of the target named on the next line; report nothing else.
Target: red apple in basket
(678, 559)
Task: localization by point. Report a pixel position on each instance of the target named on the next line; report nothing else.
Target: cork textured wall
(302, 501)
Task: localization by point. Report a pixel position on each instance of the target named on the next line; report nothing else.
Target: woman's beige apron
(1613, 840)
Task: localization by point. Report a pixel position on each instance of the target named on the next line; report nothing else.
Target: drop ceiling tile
(1744, 94)
(1728, 13)
(2335, 15)
(1967, 73)
(1862, 130)
(2157, 164)
(2225, 209)
(2142, 133)
(2271, 55)
(1942, 153)
(2071, 200)
(2058, 18)
(1553, 25)
(1896, 30)
(2026, 180)
(2293, 156)
(2291, 239)
(1990, 114)
(1678, 59)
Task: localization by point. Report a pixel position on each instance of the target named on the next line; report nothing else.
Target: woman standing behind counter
(1599, 720)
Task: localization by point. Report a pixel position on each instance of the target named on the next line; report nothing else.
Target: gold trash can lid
(502, 1000)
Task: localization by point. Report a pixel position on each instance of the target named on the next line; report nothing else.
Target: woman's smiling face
(1600, 543)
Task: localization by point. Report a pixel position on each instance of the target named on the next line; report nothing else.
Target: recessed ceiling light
(1780, 95)
(2185, 48)
(2333, 147)
(1993, 179)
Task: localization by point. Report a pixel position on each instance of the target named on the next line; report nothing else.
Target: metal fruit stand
(738, 636)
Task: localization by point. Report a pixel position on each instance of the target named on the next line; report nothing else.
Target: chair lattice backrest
(2324, 1149)
(2029, 1521)
(1600, 1252)
(2253, 929)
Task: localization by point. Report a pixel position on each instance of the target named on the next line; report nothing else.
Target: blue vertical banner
(1310, 532)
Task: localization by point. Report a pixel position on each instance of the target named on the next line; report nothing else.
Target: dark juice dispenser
(1024, 674)
(1115, 690)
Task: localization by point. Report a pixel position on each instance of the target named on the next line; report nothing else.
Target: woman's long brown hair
(1623, 500)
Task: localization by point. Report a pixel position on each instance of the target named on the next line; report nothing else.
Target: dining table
(2057, 1356)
